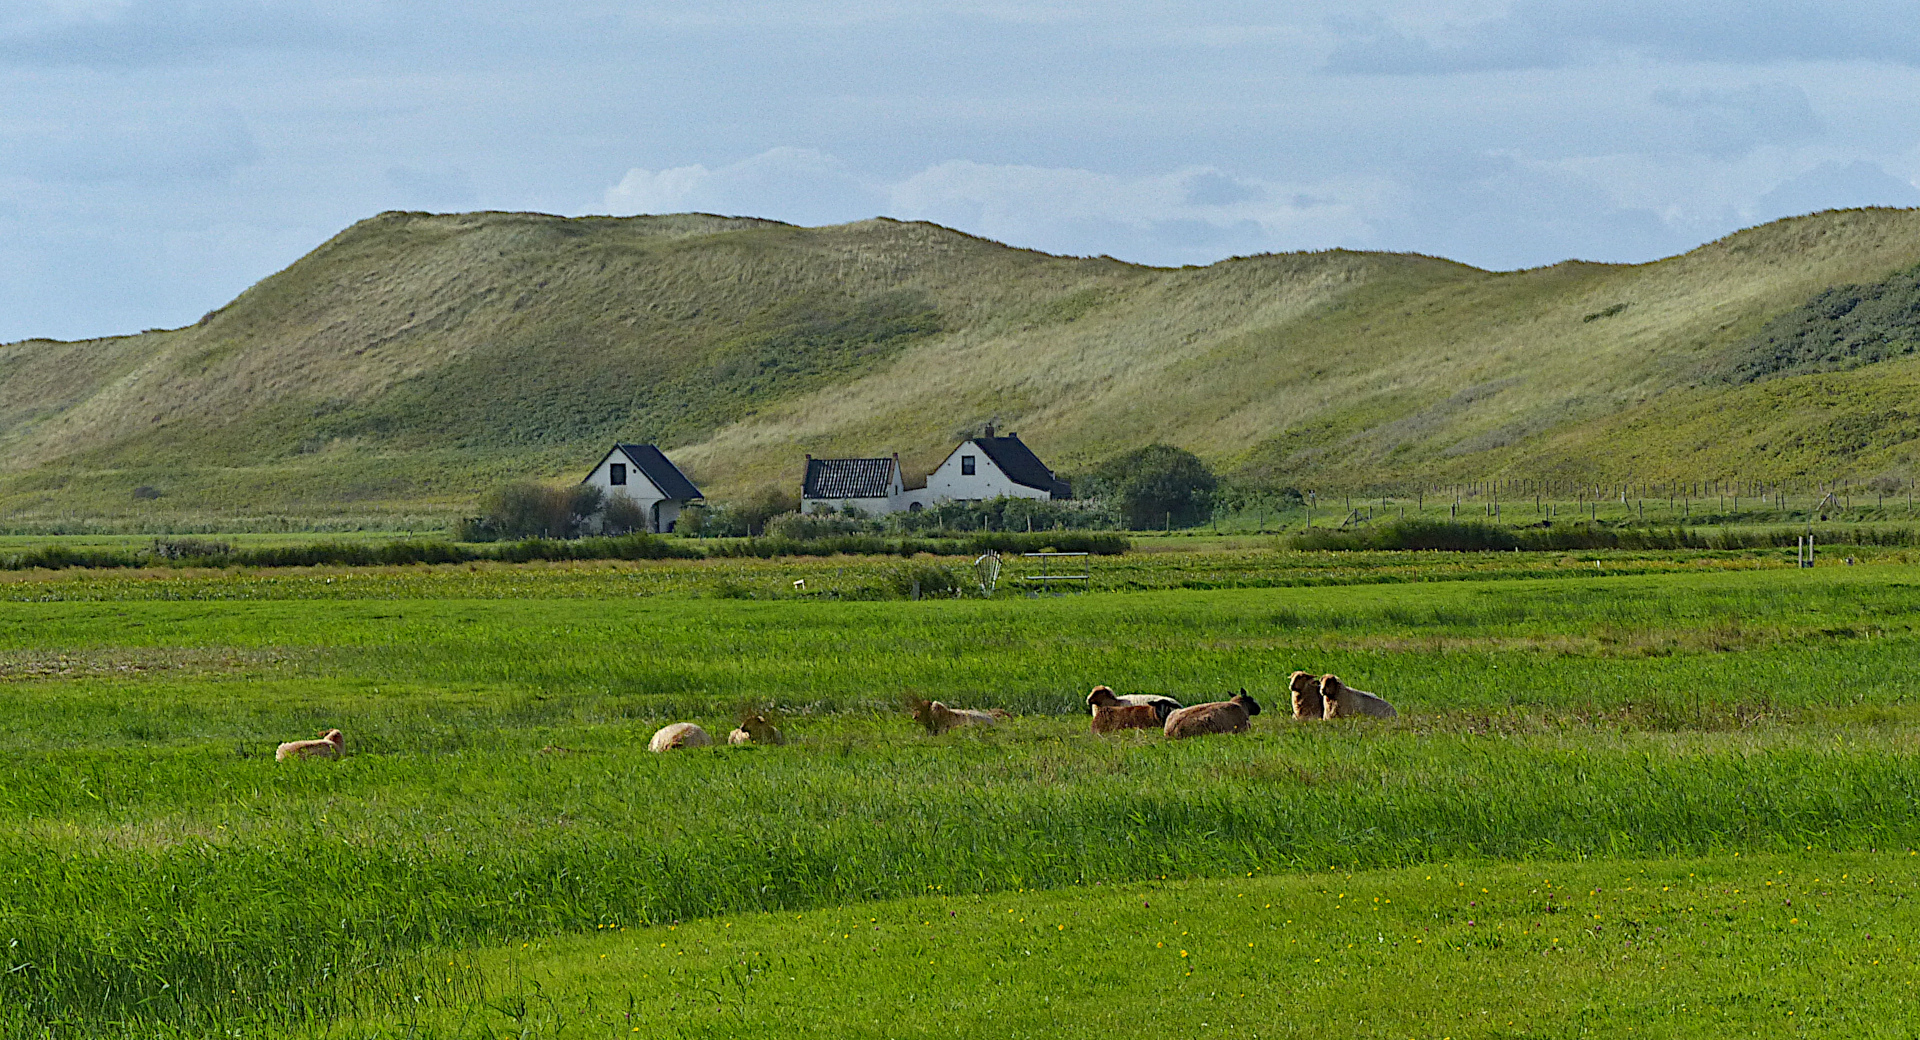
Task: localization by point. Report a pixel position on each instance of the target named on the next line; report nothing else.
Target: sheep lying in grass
(1111, 718)
(1104, 696)
(1228, 716)
(755, 729)
(938, 718)
(679, 735)
(1344, 701)
(1307, 701)
(332, 744)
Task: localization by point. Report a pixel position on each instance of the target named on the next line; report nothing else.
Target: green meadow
(1670, 793)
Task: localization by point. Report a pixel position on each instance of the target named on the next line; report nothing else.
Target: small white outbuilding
(641, 473)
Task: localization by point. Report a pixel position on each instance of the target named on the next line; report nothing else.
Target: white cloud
(1190, 215)
(797, 185)
(1730, 123)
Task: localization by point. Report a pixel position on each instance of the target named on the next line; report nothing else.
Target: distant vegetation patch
(1842, 328)
(1451, 536)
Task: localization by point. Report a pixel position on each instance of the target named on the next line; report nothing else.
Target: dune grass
(415, 360)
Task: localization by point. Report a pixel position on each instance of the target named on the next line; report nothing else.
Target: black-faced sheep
(679, 735)
(1104, 695)
(1307, 701)
(332, 744)
(1111, 718)
(755, 729)
(1344, 701)
(938, 718)
(1228, 716)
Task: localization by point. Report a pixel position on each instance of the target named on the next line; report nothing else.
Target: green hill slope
(415, 359)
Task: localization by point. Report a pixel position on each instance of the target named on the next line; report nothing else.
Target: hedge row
(197, 553)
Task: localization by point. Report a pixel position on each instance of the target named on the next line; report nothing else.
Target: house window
(617, 473)
(966, 465)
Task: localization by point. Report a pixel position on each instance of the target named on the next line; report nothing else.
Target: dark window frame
(617, 473)
(966, 466)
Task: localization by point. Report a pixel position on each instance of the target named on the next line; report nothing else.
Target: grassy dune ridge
(160, 870)
(414, 360)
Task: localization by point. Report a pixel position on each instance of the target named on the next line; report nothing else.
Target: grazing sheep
(332, 744)
(1228, 716)
(1307, 701)
(938, 718)
(1111, 718)
(1344, 701)
(679, 735)
(755, 729)
(1104, 695)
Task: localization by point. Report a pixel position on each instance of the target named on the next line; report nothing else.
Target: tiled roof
(1021, 465)
(848, 478)
(665, 475)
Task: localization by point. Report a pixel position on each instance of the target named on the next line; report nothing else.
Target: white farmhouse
(872, 485)
(980, 468)
(992, 467)
(640, 472)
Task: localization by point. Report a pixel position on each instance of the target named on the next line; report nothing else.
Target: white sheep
(332, 744)
(679, 735)
(1104, 695)
(755, 729)
(938, 718)
(1344, 701)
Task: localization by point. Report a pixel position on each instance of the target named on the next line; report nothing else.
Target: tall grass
(159, 871)
(130, 901)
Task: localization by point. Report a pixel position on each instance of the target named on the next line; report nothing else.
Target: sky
(159, 156)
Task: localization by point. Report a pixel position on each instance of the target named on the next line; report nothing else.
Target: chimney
(989, 433)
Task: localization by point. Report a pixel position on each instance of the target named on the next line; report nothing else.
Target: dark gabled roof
(848, 478)
(665, 475)
(1021, 465)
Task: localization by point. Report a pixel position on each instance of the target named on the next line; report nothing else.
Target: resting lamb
(1228, 716)
(1344, 701)
(1104, 695)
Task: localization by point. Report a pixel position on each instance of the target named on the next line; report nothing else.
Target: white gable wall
(660, 510)
(949, 484)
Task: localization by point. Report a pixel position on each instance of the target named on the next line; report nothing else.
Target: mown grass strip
(1811, 944)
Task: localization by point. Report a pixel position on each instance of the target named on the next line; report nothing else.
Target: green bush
(525, 510)
(1154, 486)
(927, 579)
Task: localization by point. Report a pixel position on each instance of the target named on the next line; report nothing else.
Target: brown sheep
(1344, 701)
(1228, 716)
(755, 729)
(1104, 695)
(1111, 718)
(332, 744)
(679, 735)
(938, 718)
(1307, 701)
